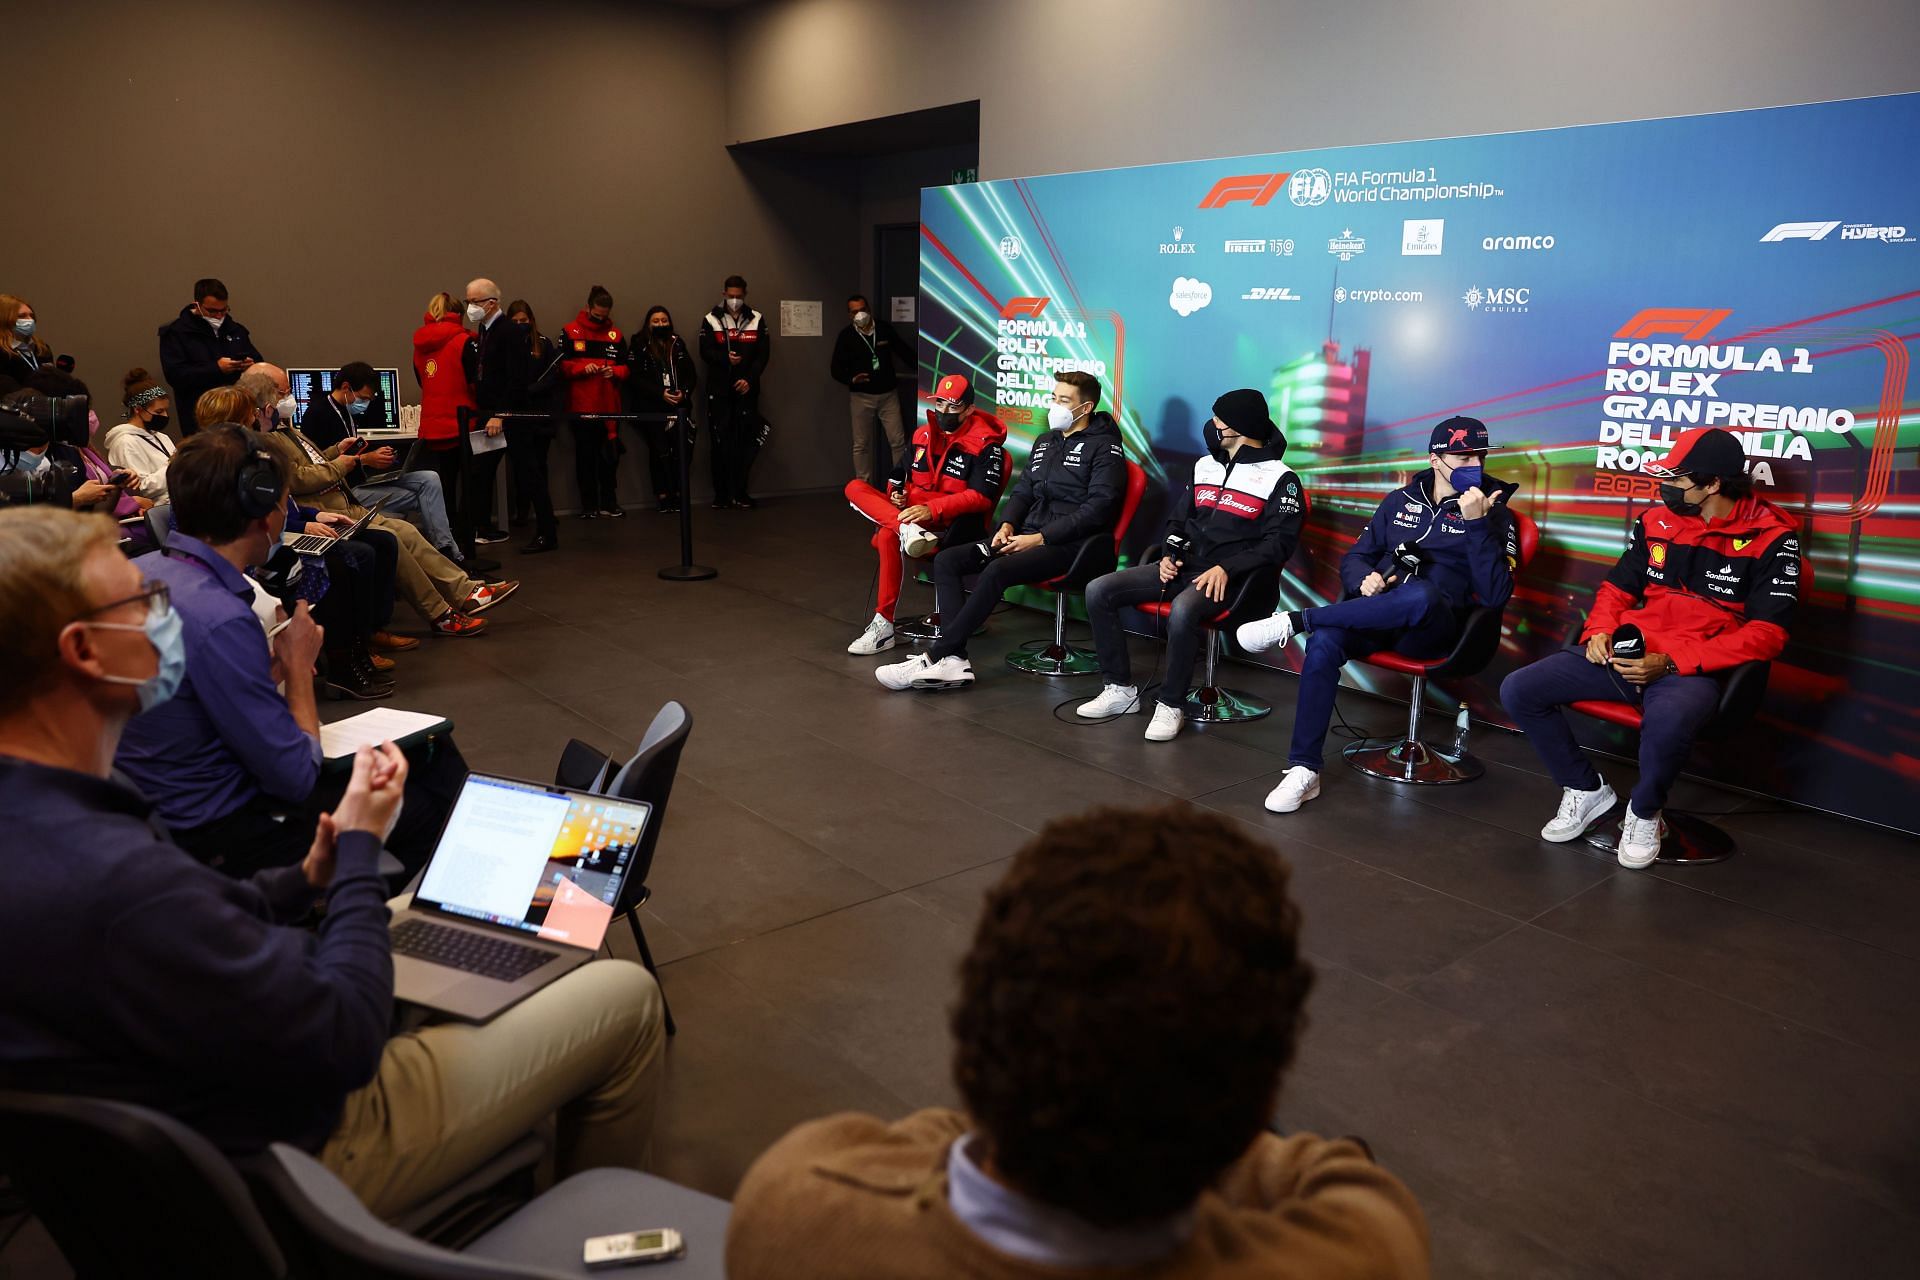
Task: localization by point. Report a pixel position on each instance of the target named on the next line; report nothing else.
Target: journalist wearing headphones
(1242, 516)
(231, 763)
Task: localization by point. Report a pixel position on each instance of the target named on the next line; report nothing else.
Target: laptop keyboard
(467, 950)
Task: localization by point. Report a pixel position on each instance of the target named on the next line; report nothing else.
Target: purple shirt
(227, 736)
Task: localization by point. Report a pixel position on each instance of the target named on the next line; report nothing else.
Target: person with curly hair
(1128, 1009)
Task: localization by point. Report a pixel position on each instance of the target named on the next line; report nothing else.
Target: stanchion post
(686, 570)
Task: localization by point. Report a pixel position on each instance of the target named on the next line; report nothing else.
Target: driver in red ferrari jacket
(954, 467)
(1709, 581)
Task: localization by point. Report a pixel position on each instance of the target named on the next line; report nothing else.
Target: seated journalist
(129, 971)
(229, 762)
(1242, 516)
(1710, 579)
(1130, 1003)
(1451, 521)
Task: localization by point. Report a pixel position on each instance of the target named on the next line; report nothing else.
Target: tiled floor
(1581, 1071)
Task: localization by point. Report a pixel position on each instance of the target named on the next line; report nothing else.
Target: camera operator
(1433, 548)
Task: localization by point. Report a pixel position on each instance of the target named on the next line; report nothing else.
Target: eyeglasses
(157, 594)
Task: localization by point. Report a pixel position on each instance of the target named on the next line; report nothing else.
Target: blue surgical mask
(164, 632)
(24, 326)
(1465, 478)
(357, 407)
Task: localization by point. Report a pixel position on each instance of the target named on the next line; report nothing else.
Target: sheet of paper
(903, 308)
(481, 442)
(799, 319)
(370, 728)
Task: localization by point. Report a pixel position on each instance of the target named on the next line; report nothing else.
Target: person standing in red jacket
(953, 468)
(596, 368)
(446, 401)
(1709, 581)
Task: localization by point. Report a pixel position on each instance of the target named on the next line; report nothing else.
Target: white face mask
(475, 313)
(734, 305)
(1059, 417)
(215, 321)
(286, 408)
(863, 318)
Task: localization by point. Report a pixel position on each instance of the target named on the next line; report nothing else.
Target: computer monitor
(382, 415)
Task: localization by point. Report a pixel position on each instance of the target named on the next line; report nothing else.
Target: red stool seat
(1624, 714)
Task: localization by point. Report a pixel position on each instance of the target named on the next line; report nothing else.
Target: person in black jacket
(864, 357)
(663, 380)
(204, 347)
(1071, 490)
(1242, 516)
(734, 345)
(501, 372)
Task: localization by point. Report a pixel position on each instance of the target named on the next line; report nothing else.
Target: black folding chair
(649, 777)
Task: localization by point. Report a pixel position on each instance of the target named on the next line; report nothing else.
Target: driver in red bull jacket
(954, 468)
(1710, 579)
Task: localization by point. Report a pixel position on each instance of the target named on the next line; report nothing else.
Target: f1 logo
(1029, 308)
(1691, 323)
(1799, 231)
(1255, 188)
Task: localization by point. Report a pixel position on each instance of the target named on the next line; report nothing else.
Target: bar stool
(1412, 760)
(1209, 703)
(1097, 555)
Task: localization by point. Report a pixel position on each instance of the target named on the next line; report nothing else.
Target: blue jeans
(414, 493)
(1673, 709)
(1413, 618)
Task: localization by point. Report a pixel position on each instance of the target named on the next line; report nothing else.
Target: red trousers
(873, 504)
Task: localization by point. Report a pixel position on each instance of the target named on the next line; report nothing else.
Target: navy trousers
(1413, 618)
(1673, 709)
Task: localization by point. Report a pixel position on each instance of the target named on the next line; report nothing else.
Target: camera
(31, 421)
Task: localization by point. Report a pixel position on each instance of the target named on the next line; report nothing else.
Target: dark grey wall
(337, 161)
(1091, 84)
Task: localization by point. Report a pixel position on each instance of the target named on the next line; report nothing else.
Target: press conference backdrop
(1588, 292)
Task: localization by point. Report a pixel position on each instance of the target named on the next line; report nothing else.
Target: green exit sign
(965, 175)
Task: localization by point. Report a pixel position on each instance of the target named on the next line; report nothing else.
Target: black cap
(1459, 435)
(1245, 411)
(1704, 452)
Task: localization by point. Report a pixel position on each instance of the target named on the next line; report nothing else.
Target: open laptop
(519, 891)
(319, 544)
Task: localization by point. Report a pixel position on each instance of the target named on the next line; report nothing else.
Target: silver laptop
(519, 891)
(319, 544)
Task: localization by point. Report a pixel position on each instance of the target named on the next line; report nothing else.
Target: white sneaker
(922, 672)
(1640, 839)
(1114, 700)
(1266, 633)
(1166, 722)
(917, 542)
(1578, 811)
(877, 638)
(1297, 786)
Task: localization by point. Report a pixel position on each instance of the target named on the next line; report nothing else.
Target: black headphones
(257, 484)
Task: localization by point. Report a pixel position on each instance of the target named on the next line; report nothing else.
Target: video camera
(31, 421)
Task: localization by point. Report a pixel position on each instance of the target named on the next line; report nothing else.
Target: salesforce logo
(1188, 296)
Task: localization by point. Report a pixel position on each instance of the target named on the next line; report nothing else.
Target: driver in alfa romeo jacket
(1434, 548)
(1242, 516)
(1710, 579)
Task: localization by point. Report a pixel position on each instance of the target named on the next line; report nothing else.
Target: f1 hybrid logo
(1023, 308)
(1255, 188)
(1799, 231)
(1691, 323)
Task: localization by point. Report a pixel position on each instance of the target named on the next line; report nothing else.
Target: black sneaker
(490, 536)
(474, 566)
(539, 545)
(345, 681)
(616, 513)
(589, 514)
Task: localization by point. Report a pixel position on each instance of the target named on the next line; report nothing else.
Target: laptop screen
(544, 860)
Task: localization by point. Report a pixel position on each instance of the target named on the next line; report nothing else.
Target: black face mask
(661, 332)
(947, 422)
(1675, 498)
(523, 326)
(158, 423)
(1210, 436)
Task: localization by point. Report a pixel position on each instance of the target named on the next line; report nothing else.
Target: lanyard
(873, 345)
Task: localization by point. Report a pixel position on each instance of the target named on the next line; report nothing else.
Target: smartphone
(631, 1248)
(352, 444)
(121, 476)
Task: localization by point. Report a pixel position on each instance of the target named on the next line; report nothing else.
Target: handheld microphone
(1629, 644)
(1177, 546)
(1411, 559)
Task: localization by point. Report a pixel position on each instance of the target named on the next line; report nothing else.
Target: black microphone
(1629, 644)
(1411, 559)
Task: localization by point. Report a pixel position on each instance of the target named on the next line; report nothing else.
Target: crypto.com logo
(1799, 231)
(1255, 188)
(1691, 323)
(1023, 308)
